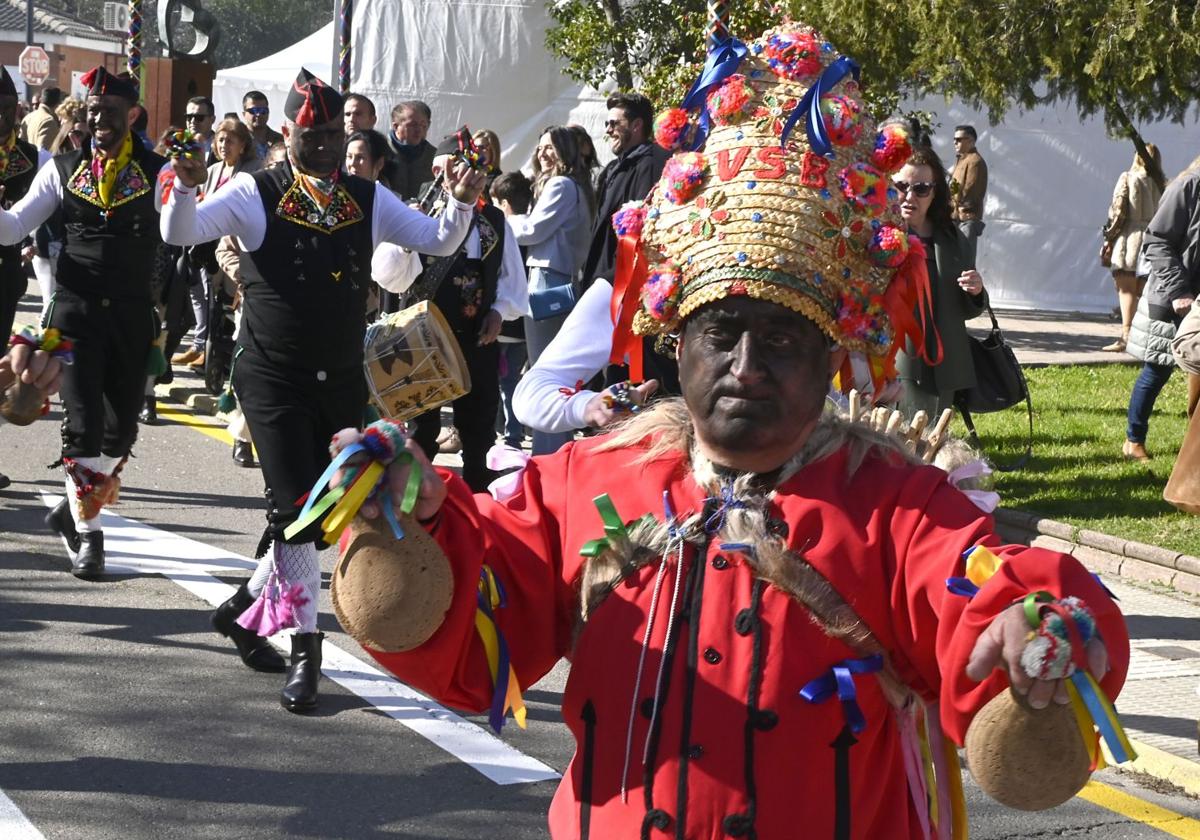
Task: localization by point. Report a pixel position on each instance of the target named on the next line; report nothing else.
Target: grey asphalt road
(123, 716)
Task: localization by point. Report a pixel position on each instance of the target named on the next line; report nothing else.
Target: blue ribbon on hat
(840, 680)
(724, 57)
(810, 106)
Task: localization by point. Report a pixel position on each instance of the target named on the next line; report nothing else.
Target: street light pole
(29, 23)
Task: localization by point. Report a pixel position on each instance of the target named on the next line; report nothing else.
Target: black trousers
(474, 414)
(12, 288)
(292, 413)
(103, 391)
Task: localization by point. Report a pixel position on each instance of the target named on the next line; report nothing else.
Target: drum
(413, 362)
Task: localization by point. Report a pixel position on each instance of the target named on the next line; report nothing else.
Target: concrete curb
(1152, 761)
(1104, 553)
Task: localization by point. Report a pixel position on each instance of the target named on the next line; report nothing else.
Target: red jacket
(738, 751)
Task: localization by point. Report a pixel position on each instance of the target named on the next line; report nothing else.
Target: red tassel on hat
(909, 303)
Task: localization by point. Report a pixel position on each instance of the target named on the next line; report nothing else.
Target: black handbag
(999, 384)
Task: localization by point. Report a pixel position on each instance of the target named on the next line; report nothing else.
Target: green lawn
(1076, 474)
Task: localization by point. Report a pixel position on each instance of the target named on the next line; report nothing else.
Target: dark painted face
(754, 376)
(319, 150)
(8, 116)
(108, 120)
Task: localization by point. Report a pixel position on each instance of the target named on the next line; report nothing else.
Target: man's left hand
(1182, 305)
(466, 184)
(490, 328)
(1001, 645)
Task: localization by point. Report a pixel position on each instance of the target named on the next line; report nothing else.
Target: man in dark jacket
(414, 154)
(637, 168)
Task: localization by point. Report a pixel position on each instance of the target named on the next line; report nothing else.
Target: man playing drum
(307, 231)
(752, 593)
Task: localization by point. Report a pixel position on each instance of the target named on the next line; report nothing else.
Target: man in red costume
(752, 592)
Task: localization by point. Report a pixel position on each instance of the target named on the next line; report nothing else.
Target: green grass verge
(1077, 474)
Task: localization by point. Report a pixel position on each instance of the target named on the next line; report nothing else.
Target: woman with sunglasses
(957, 289)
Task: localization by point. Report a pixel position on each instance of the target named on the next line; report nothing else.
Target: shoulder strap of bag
(431, 278)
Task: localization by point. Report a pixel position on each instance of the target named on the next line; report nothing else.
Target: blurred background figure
(1135, 198)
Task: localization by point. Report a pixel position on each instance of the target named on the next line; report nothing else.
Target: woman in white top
(556, 234)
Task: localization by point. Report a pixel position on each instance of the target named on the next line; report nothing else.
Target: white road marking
(131, 547)
(13, 824)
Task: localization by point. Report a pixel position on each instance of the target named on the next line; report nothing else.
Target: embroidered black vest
(17, 175)
(468, 291)
(108, 251)
(306, 285)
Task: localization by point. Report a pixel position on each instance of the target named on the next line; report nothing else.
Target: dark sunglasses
(191, 117)
(258, 110)
(920, 189)
(613, 123)
(961, 139)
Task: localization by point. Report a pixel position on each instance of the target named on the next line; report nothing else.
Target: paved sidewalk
(1056, 338)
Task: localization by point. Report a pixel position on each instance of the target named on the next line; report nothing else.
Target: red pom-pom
(892, 148)
(843, 119)
(793, 55)
(865, 187)
(674, 129)
(729, 103)
(628, 221)
(889, 246)
(682, 177)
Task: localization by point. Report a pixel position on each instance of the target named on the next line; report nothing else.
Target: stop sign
(34, 65)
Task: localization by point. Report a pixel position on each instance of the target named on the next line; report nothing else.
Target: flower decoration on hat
(783, 196)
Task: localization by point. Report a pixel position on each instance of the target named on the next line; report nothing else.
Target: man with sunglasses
(968, 183)
(198, 118)
(255, 113)
(307, 232)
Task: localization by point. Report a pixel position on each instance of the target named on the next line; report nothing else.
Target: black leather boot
(300, 693)
(89, 562)
(60, 521)
(255, 651)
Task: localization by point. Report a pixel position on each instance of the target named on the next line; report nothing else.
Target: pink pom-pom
(865, 187)
(889, 246)
(628, 221)
(660, 294)
(682, 177)
(843, 119)
(729, 102)
(793, 55)
(673, 129)
(892, 148)
(342, 439)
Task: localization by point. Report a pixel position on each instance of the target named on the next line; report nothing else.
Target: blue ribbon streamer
(962, 586)
(483, 599)
(716, 521)
(327, 476)
(389, 512)
(810, 107)
(723, 60)
(840, 680)
(1107, 591)
(1099, 716)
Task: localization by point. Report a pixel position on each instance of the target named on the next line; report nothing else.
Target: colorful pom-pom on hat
(682, 177)
(674, 129)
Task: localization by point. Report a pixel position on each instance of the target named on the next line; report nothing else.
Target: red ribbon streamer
(628, 279)
(909, 298)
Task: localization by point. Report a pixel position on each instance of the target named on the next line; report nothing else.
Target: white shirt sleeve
(394, 221)
(44, 157)
(550, 212)
(43, 198)
(512, 288)
(234, 210)
(395, 268)
(579, 351)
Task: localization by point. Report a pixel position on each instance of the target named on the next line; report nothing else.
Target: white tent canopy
(484, 63)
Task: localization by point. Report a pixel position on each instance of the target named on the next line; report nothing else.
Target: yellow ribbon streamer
(112, 167)
(958, 802)
(347, 507)
(1087, 730)
(981, 565)
(489, 634)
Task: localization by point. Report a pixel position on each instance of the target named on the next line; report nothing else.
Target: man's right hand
(598, 414)
(431, 495)
(191, 172)
(1182, 305)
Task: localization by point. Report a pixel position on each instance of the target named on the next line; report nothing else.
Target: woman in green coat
(957, 288)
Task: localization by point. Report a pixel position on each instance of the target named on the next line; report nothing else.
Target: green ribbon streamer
(1032, 606)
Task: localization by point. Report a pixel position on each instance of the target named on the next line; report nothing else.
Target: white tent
(484, 63)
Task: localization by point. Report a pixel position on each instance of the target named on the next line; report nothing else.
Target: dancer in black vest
(307, 231)
(110, 196)
(19, 162)
(476, 288)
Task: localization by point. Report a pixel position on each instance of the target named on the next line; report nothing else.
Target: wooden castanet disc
(1025, 758)
(390, 595)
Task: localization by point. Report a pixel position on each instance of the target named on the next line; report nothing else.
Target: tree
(1129, 61)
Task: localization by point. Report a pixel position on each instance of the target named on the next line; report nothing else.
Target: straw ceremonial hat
(779, 190)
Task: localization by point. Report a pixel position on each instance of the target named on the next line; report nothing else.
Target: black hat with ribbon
(311, 102)
(100, 82)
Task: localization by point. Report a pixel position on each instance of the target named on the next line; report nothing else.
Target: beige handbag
(1186, 345)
